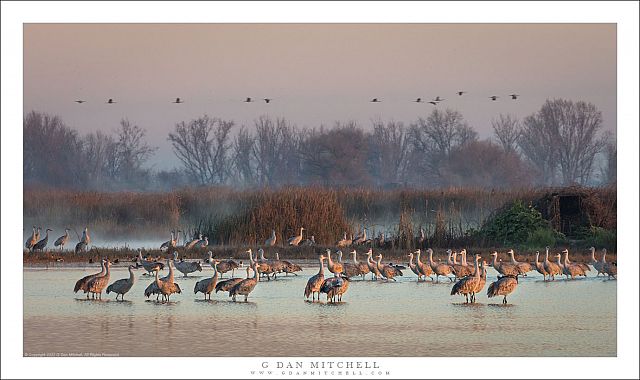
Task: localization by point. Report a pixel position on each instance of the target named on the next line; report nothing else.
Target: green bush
(517, 225)
(599, 237)
(544, 237)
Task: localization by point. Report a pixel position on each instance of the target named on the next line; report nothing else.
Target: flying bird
(110, 101)
(80, 101)
(460, 93)
(178, 101)
(434, 103)
(493, 97)
(419, 100)
(248, 100)
(267, 100)
(438, 99)
(514, 96)
(375, 100)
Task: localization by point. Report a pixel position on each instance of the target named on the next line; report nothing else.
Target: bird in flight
(438, 99)
(110, 101)
(80, 101)
(514, 96)
(178, 101)
(433, 102)
(419, 100)
(267, 100)
(460, 93)
(375, 100)
(493, 97)
(248, 100)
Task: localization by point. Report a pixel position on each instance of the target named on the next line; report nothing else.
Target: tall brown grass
(231, 217)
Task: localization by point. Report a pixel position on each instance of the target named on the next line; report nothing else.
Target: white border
(625, 14)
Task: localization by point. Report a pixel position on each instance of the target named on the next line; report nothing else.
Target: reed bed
(231, 217)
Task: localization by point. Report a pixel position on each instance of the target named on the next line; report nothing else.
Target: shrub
(517, 224)
(599, 237)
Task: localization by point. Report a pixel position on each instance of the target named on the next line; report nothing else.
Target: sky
(315, 73)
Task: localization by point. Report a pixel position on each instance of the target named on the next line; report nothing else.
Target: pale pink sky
(316, 73)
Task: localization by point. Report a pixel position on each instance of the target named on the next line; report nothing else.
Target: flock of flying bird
(435, 101)
(468, 279)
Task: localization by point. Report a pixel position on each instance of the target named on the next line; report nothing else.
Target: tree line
(561, 144)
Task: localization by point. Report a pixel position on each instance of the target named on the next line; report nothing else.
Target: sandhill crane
(551, 268)
(387, 271)
(270, 242)
(362, 238)
(62, 240)
(295, 240)
(122, 286)
(583, 266)
(167, 287)
(504, 286)
(149, 266)
(275, 266)
(373, 266)
(178, 101)
(467, 285)
(111, 101)
(597, 265)
(203, 243)
(186, 267)
(193, 242)
(245, 286)
(86, 239)
(80, 101)
(433, 103)
(167, 243)
(38, 233)
(223, 266)
(97, 284)
(81, 284)
(425, 270)
(207, 285)
(494, 97)
(334, 287)
(418, 100)
(460, 93)
(267, 100)
(514, 96)
(363, 268)
(351, 269)
(439, 269)
(42, 244)
(248, 100)
(505, 269)
(540, 267)
(344, 242)
(413, 266)
(309, 242)
(483, 281)
(570, 269)
(610, 269)
(381, 241)
(334, 267)
(375, 100)
(524, 268)
(31, 240)
(264, 266)
(438, 99)
(421, 237)
(315, 282)
(460, 270)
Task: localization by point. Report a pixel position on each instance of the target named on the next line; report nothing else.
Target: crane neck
(513, 259)
(410, 259)
(355, 259)
(132, 275)
(593, 255)
(321, 271)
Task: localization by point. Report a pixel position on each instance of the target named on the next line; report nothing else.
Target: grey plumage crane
(62, 240)
(42, 244)
(122, 286)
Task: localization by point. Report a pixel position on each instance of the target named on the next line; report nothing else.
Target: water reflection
(410, 318)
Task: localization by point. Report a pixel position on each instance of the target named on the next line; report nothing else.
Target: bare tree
(202, 145)
(132, 151)
(610, 169)
(507, 130)
(434, 139)
(275, 151)
(243, 148)
(389, 148)
(52, 152)
(563, 136)
(100, 161)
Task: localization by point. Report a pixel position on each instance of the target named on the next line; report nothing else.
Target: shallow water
(561, 318)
